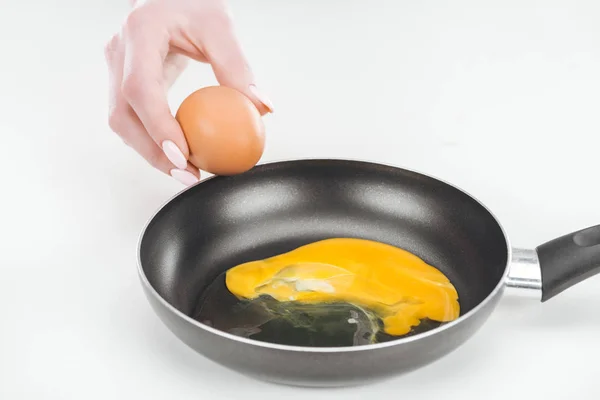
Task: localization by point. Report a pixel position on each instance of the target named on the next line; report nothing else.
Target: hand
(149, 53)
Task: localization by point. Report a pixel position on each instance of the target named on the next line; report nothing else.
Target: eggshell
(223, 129)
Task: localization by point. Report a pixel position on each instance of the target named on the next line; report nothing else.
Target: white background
(501, 97)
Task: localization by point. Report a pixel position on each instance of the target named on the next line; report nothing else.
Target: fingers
(124, 121)
(144, 85)
(147, 148)
(230, 66)
(134, 135)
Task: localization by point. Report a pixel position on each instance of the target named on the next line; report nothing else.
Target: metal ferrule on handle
(525, 275)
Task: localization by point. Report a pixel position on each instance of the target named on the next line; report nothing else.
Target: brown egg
(223, 129)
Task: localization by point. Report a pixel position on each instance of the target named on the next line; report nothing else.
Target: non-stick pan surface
(277, 207)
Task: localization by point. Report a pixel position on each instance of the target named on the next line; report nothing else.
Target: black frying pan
(274, 208)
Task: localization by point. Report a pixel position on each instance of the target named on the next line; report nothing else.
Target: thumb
(230, 66)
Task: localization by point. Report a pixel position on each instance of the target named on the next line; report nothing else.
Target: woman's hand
(146, 57)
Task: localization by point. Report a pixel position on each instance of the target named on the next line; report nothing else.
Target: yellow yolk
(395, 284)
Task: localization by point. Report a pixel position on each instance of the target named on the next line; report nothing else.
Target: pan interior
(277, 207)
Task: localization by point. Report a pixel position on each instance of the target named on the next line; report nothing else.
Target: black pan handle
(568, 260)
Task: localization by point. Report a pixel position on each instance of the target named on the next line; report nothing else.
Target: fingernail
(183, 176)
(262, 98)
(174, 154)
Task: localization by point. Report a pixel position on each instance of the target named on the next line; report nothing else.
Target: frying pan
(275, 207)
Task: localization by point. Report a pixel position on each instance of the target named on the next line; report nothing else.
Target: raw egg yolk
(396, 285)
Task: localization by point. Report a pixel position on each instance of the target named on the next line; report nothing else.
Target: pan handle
(568, 260)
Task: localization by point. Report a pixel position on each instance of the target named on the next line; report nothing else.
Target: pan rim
(344, 349)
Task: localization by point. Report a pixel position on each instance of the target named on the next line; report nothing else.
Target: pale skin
(145, 58)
